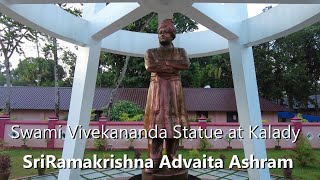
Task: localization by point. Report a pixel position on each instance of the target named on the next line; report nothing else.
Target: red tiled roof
(197, 99)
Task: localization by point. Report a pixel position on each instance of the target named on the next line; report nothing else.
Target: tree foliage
(136, 76)
(304, 153)
(288, 69)
(69, 59)
(124, 107)
(12, 36)
(36, 72)
(214, 71)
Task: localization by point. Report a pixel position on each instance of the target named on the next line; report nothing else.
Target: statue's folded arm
(152, 65)
(180, 62)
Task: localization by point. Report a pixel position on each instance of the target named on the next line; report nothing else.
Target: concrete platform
(124, 174)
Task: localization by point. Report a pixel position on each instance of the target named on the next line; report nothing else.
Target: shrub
(137, 154)
(204, 144)
(287, 172)
(194, 153)
(24, 142)
(131, 140)
(122, 107)
(65, 117)
(229, 140)
(278, 147)
(3, 112)
(124, 117)
(303, 151)
(137, 117)
(192, 119)
(41, 171)
(100, 144)
(5, 162)
(2, 144)
(93, 115)
(299, 115)
(222, 157)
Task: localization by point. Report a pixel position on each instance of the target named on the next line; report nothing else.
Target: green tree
(111, 65)
(269, 77)
(36, 72)
(12, 36)
(311, 37)
(69, 59)
(288, 68)
(214, 71)
(303, 152)
(51, 51)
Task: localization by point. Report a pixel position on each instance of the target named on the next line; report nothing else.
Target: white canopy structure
(230, 29)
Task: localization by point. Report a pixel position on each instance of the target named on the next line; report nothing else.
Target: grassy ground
(298, 171)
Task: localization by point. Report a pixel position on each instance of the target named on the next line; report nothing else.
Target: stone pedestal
(166, 174)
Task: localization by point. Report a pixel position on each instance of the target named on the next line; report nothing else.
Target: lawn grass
(299, 172)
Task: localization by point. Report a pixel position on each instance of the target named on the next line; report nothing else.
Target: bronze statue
(165, 106)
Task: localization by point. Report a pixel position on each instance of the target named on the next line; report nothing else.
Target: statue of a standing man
(165, 106)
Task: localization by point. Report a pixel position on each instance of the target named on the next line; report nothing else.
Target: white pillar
(248, 106)
(83, 89)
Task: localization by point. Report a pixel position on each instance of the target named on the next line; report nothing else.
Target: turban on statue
(168, 25)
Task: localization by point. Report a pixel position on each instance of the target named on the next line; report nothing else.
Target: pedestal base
(166, 174)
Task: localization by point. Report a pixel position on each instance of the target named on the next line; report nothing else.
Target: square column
(83, 89)
(248, 105)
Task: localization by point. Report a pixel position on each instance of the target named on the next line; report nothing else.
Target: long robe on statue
(165, 107)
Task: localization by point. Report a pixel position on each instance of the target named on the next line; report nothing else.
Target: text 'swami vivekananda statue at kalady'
(165, 106)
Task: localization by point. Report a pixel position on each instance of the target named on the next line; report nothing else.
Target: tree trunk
(37, 45)
(316, 104)
(8, 84)
(113, 92)
(56, 83)
(123, 72)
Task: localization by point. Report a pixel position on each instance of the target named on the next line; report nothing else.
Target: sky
(30, 48)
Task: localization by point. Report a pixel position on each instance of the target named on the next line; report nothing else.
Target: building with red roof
(218, 104)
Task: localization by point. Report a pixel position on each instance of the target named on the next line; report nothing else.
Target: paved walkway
(102, 174)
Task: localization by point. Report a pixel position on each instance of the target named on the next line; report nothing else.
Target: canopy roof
(221, 17)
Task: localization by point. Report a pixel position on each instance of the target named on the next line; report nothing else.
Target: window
(232, 117)
(199, 113)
